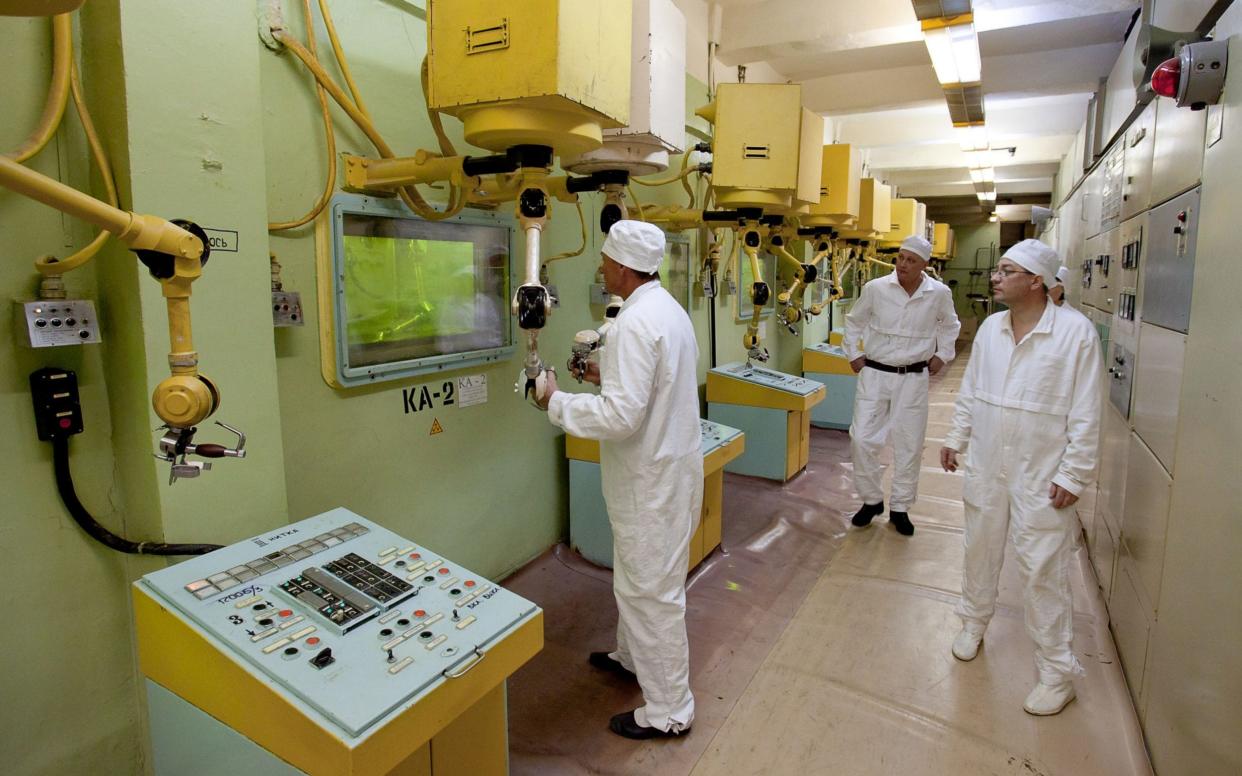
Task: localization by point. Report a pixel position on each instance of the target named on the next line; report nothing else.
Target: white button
(432, 620)
(400, 666)
(308, 630)
(291, 622)
(387, 551)
(387, 645)
(406, 550)
(264, 634)
(390, 616)
(389, 559)
(242, 604)
(434, 563)
(465, 622)
(275, 645)
(450, 582)
(437, 641)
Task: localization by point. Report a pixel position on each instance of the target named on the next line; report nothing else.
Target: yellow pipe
(50, 265)
(569, 254)
(363, 174)
(137, 231)
(337, 52)
(329, 132)
(57, 93)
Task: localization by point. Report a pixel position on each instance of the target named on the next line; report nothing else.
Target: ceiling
(863, 64)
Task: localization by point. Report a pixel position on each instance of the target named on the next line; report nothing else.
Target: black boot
(625, 726)
(901, 521)
(604, 662)
(863, 516)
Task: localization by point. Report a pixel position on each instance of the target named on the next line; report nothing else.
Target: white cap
(1036, 257)
(635, 244)
(918, 246)
(1062, 275)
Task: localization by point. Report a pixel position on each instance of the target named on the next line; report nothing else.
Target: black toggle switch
(323, 659)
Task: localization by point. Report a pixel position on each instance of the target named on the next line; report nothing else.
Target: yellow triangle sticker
(436, 428)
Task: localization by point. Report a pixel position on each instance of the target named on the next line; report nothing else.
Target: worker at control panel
(1028, 418)
(907, 327)
(646, 418)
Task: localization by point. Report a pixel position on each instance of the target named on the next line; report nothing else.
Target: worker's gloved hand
(858, 363)
(545, 386)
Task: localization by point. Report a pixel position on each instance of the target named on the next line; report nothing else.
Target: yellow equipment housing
(904, 222)
(942, 246)
(538, 72)
(874, 210)
(758, 137)
(839, 189)
(810, 162)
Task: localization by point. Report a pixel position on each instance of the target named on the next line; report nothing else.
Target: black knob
(323, 659)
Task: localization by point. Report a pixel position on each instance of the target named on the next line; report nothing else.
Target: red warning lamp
(1166, 77)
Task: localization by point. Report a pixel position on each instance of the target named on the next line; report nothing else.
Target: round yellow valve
(184, 400)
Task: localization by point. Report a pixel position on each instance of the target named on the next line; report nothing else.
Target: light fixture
(992, 218)
(983, 175)
(954, 49)
(972, 138)
(986, 196)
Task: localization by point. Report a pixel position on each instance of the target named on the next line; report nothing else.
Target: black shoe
(603, 662)
(901, 521)
(863, 516)
(624, 725)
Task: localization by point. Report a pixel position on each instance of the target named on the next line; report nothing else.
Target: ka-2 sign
(418, 398)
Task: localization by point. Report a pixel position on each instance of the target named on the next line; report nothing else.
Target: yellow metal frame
(825, 363)
(727, 390)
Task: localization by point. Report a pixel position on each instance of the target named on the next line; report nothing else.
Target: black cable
(64, 484)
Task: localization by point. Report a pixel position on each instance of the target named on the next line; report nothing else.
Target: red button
(420, 613)
(65, 422)
(285, 612)
(469, 583)
(443, 571)
(415, 555)
(312, 641)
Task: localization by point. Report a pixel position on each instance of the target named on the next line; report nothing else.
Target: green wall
(974, 244)
(204, 122)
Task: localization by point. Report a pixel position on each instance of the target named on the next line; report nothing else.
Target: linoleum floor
(817, 648)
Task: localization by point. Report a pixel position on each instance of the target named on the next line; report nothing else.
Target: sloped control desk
(589, 531)
(329, 646)
(773, 409)
(828, 365)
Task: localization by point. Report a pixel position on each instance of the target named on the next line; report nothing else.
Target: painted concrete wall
(973, 247)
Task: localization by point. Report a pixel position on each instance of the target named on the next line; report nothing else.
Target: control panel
(716, 435)
(287, 309)
(769, 378)
(341, 614)
(827, 349)
(56, 322)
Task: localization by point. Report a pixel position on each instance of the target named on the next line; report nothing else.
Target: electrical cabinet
(1107, 245)
(1145, 522)
(1120, 363)
(1139, 142)
(1092, 204)
(1089, 278)
(1158, 389)
(1103, 546)
(1169, 270)
(1127, 282)
(544, 72)
(1131, 629)
(839, 188)
(1177, 156)
(1112, 172)
(1110, 500)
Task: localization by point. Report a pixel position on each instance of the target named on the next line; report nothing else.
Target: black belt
(918, 366)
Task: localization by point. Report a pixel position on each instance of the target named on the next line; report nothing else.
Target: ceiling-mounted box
(904, 221)
(875, 206)
(943, 242)
(541, 72)
(810, 161)
(839, 187)
(920, 220)
(657, 97)
(756, 140)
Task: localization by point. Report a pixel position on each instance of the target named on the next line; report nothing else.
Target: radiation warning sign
(436, 428)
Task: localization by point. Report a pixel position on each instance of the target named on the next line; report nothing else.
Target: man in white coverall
(1028, 416)
(647, 420)
(1056, 292)
(908, 328)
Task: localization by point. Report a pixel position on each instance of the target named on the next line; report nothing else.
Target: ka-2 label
(422, 397)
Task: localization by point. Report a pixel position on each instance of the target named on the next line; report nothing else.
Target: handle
(469, 664)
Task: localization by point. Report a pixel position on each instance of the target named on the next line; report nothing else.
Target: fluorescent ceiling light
(983, 175)
(986, 196)
(972, 138)
(954, 53)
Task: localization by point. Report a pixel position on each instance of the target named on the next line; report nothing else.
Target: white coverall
(1028, 416)
(897, 329)
(647, 420)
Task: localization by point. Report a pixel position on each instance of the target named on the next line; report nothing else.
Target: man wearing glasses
(1028, 416)
(908, 329)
